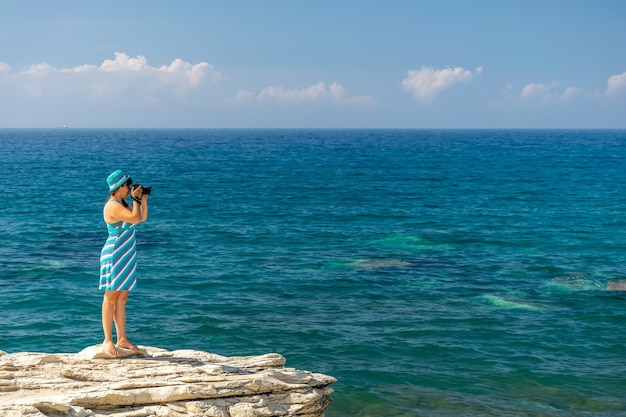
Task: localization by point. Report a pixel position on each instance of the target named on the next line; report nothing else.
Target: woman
(118, 264)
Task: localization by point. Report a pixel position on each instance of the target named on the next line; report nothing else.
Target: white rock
(157, 382)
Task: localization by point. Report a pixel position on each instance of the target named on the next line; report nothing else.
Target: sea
(432, 272)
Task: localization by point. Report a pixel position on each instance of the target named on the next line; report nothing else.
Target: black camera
(145, 190)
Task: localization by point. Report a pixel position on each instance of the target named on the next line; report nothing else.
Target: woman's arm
(144, 207)
(115, 212)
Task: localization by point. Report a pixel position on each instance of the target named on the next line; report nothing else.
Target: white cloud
(615, 83)
(571, 93)
(336, 90)
(540, 91)
(550, 93)
(112, 77)
(195, 73)
(426, 83)
(38, 69)
(313, 93)
(123, 62)
(316, 93)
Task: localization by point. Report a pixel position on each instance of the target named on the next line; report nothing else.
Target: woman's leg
(108, 311)
(120, 322)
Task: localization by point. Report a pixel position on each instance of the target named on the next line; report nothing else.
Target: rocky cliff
(159, 383)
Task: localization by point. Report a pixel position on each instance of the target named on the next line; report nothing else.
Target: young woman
(118, 266)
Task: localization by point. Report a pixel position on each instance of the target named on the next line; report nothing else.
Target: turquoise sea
(433, 272)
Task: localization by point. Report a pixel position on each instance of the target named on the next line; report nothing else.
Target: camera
(145, 190)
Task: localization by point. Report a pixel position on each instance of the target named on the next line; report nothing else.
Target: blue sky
(326, 64)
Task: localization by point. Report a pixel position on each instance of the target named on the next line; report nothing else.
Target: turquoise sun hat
(116, 180)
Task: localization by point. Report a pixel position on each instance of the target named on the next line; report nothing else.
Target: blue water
(434, 273)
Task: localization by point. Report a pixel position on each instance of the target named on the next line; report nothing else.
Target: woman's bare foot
(109, 349)
(125, 344)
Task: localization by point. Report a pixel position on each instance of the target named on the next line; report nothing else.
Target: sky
(313, 64)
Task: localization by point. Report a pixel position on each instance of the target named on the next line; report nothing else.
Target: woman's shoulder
(109, 204)
(111, 207)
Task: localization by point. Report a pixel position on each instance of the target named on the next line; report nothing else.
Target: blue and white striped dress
(118, 259)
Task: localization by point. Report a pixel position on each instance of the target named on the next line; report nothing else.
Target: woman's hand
(137, 192)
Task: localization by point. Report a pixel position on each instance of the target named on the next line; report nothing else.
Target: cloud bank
(129, 91)
(317, 93)
(313, 93)
(426, 83)
(539, 91)
(112, 77)
(556, 92)
(550, 93)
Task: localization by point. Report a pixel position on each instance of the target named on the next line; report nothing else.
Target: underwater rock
(617, 285)
(376, 264)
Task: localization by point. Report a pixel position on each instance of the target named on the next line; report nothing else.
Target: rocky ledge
(159, 383)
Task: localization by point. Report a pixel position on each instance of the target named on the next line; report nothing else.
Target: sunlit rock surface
(158, 383)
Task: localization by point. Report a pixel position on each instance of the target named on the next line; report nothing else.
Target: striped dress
(118, 263)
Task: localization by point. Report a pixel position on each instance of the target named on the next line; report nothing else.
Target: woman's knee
(122, 297)
(111, 297)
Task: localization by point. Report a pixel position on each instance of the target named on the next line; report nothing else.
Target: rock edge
(159, 383)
